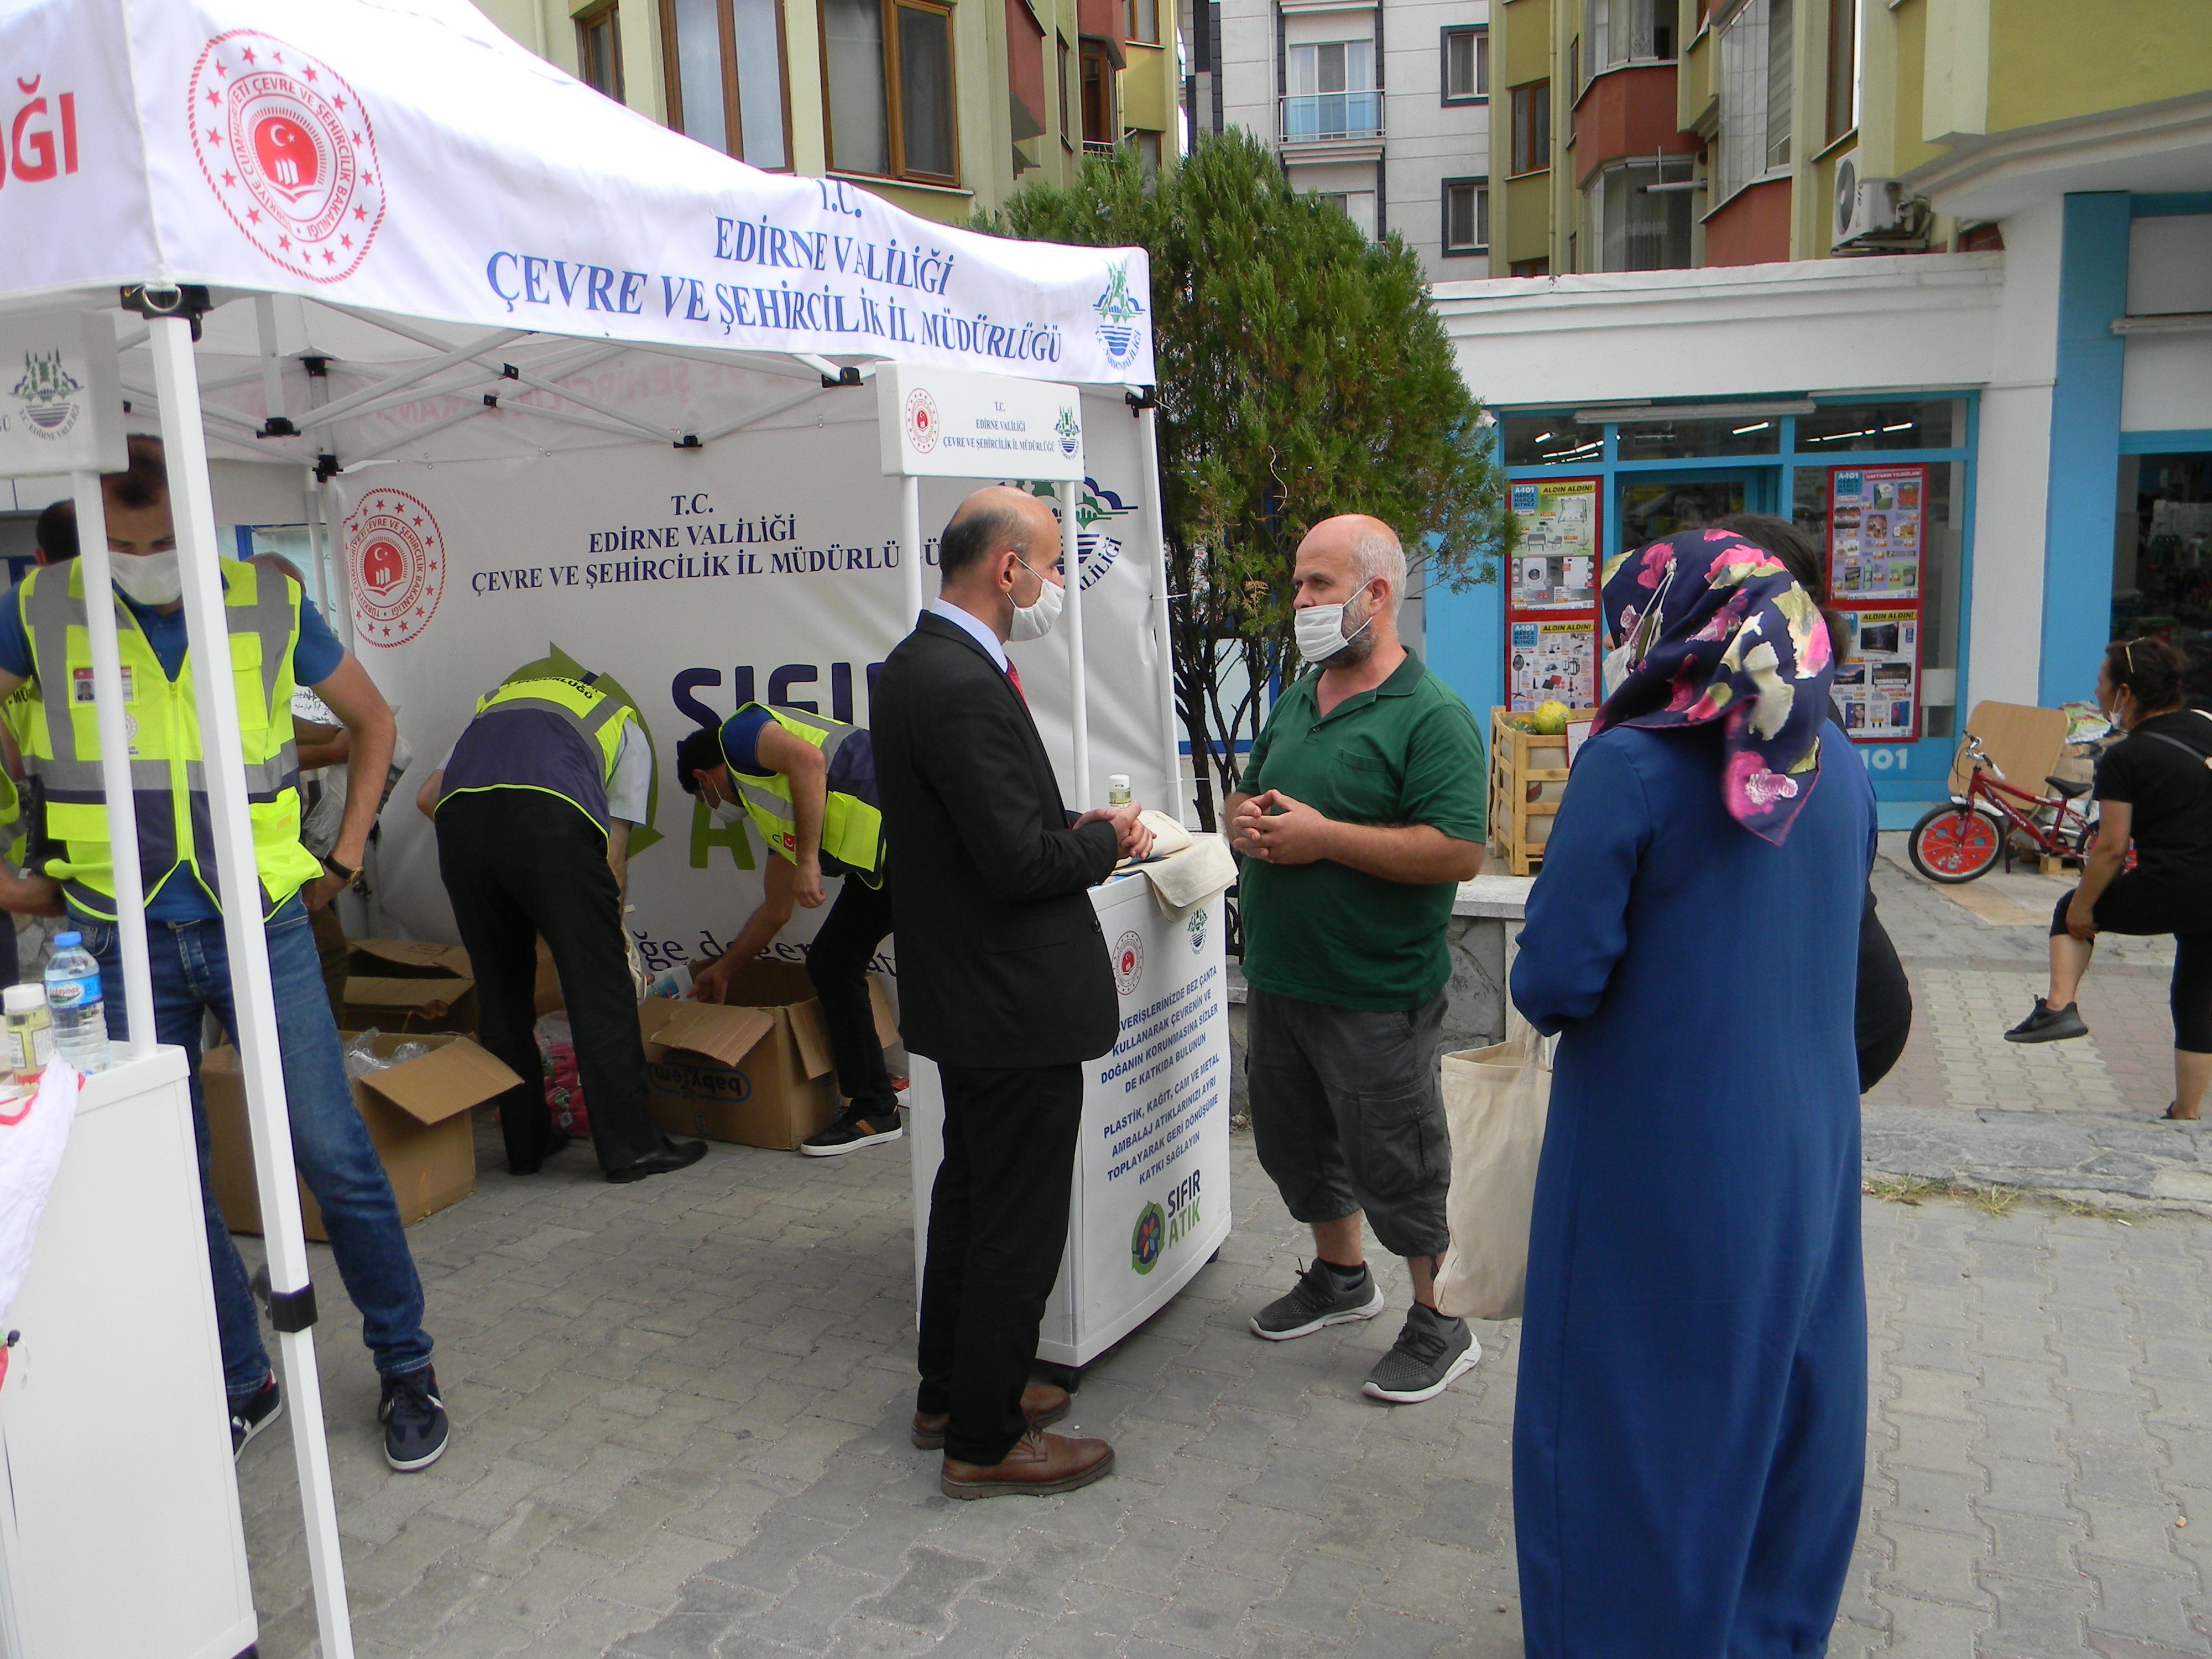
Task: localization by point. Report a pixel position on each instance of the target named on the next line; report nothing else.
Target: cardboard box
(410, 986)
(757, 1071)
(417, 1114)
(407, 958)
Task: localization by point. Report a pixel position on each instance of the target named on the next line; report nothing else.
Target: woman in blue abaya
(1689, 1434)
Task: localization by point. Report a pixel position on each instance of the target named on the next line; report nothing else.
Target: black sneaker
(2049, 1024)
(250, 1413)
(1314, 1302)
(414, 1419)
(856, 1128)
(1431, 1350)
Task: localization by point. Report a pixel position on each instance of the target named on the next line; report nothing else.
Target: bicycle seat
(2067, 789)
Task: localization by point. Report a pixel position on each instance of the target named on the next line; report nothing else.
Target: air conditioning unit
(1865, 207)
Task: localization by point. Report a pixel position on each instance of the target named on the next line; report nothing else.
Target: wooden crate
(1528, 775)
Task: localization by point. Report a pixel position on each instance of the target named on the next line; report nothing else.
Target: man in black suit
(1004, 981)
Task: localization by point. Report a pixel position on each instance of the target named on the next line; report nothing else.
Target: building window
(1466, 64)
(1629, 32)
(1066, 91)
(1532, 127)
(725, 76)
(1100, 126)
(1530, 268)
(1634, 228)
(1842, 67)
(887, 78)
(1467, 215)
(1333, 93)
(598, 51)
(1754, 94)
(1026, 104)
(1144, 21)
(1357, 205)
(1147, 146)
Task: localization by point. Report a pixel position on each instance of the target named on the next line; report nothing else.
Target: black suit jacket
(1001, 960)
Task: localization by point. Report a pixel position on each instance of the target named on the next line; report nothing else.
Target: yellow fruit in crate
(1551, 718)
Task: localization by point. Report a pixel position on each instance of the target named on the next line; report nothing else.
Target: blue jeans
(330, 1142)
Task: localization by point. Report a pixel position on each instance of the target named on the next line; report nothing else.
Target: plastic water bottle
(74, 1002)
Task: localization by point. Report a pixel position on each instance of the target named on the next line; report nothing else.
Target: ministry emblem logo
(50, 395)
(1118, 310)
(396, 559)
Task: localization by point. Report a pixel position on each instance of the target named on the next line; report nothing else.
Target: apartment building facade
(942, 106)
(1933, 278)
(1384, 106)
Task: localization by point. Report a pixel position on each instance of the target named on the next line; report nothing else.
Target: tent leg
(115, 761)
(192, 503)
(1155, 524)
(909, 552)
(1079, 708)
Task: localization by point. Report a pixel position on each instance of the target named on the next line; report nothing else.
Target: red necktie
(1015, 675)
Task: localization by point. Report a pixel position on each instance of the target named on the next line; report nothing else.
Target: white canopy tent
(406, 240)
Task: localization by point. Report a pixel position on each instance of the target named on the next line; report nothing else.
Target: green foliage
(1302, 374)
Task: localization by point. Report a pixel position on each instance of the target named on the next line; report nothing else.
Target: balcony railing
(1323, 116)
(1099, 146)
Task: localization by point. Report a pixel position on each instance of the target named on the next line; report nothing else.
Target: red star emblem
(339, 102)
(228, 180)
(277, 57)
(360, 212)
(214, 137)
(418, 518)
(345, 241)
(328, 258)
(368, 177)
(247, 54)
(213, 97)
(253, 216)
(356, 137)
(221, 68)
(284, 241)
(311, 74)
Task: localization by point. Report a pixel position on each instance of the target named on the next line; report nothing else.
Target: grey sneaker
(1429, 1353)
(1314, 1302)
(2049, 1024)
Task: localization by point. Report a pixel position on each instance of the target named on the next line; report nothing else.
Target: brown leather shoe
(1041, 1403)
(1039, 1464)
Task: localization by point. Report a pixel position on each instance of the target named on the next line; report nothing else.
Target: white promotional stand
(1150, 1203)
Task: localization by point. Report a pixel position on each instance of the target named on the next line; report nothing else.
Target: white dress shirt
(978, 630)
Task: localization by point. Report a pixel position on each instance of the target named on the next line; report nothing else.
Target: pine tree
(1302, 373)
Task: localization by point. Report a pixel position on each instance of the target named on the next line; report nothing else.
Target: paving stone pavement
(679, 1412)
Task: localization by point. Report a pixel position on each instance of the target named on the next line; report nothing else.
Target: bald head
(997, 551)
(1369, 549)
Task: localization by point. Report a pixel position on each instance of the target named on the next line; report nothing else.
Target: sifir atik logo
(396, 560)
(289, 151)
(1164, 1223)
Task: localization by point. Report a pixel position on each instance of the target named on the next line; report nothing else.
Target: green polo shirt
(1406, 752)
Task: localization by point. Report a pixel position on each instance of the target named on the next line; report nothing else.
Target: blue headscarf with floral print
(1718, 631)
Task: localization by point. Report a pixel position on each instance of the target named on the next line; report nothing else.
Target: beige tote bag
(1495, 1103)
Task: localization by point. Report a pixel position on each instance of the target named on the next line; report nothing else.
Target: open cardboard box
(406, 958)
(411, 986)
(417, 1114)
(756, 1070)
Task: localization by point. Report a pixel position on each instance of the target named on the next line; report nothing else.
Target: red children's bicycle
(1965, 839)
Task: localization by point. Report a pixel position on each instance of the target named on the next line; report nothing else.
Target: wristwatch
(345, 872)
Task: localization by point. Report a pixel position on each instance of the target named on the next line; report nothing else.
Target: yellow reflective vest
(559, 736)
(852, 819)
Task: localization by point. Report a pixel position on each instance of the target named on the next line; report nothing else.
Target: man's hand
(1132, 840)
(806, 884)
(1275, 828)
(712, 982)
(1243, 820)
(30, 895)
(2082, 919)
(317, 894)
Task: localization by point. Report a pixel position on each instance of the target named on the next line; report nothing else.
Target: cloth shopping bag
(1495, 1103)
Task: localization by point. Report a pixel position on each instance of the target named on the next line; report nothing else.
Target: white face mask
(1035, 621)
(729, 813)
(1614, 669)
(149, 578)
(1320, 629)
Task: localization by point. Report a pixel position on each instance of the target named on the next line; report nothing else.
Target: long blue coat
(1689, 1437)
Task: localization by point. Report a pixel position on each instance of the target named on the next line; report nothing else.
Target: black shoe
(673, 1155)
(414, 1419)
(250, 1413)
(1315, 1302)
(2049, 1024)
(556, 1141)
(1432, 1349)
(854, 1127)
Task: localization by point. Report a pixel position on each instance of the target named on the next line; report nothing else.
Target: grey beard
(1358, 648)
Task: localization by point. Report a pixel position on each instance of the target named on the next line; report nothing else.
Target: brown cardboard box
(406, 958)
(756, 1070)
(411, 986)
(417, 1114)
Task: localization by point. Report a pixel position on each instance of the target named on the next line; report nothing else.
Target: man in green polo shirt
(1360, 813)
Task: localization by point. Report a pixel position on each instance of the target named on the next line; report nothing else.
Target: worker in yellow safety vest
(274, 638)
(534, 806)
(808, 784)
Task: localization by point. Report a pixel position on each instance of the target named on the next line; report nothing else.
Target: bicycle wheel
(1955, 843)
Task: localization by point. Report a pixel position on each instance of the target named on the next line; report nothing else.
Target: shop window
(1840, 429)
(1466, 64)
(724, 67)
(598, 51)
(1842, 67)
(1755, 57)
(1629, 32)
(887, 76)
(2162, 554)
(1100, 127)
(1532, 127)
(1633, 227)
(1467, 215)
(1142, 22)
(1333, 91)
(1549, 440)
(1660, 438)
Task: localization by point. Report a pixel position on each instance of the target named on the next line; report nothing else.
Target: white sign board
(952, 423)
(61, 405)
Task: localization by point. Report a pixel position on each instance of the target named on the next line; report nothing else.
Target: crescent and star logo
(921, 420)
(1128, 963)
(396, 559)
(289, 151)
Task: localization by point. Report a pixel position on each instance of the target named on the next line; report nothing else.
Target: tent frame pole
(1155, 523)
(909, 553)
(253, 998)
(1079, 712)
